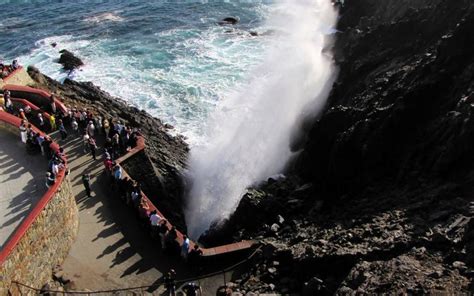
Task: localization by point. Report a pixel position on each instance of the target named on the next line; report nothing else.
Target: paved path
(22, 179)
(112, 250)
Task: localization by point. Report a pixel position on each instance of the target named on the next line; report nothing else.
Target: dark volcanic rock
(165, 155)
(389, 162)
(230, 20)
(69, 60)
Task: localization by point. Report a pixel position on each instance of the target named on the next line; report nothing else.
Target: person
(82, 119)
(55, 167)
(27, 112)
(162, 230)
(195, 255)
(154, 218)
(23, 131)
(192, 289)
(90, 129)
(93, 148)
(50, 179)
(117, 173)
(75, 126)
(116, 145)
(185, 248)
(99, 125)
(60, 155)
(170, 283)
(106, 126)
(107, 154)
(22, 114)
(86, 181)
(15, 65)
(29, 131)
(62, 129)
(41, 122)
(40, 140)
(47, 146)
(85, 141)
(109, 164)
(52, 122)
(8, 102)
(143, 210)
(52, 105)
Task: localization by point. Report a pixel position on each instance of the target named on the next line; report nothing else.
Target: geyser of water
(249, 134)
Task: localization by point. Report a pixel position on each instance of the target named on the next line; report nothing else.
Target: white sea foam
(248, 136)
(103, 17)
(179, 76)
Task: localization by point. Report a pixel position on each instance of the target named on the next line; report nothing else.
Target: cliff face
(400, 109)
(380, 198)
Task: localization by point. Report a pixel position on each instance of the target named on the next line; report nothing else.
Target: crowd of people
(6, 70)
(36, 142)
(130, 193)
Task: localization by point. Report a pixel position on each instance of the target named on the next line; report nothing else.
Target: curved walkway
(112, 251)
(22, 179)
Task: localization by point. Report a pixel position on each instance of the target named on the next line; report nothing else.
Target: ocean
(169, 58)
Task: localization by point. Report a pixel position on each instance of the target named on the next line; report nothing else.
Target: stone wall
(45, 244)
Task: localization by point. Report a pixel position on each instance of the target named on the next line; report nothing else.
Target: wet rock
(281, 220)
(461, 266)
(69, 60)
(230, 20)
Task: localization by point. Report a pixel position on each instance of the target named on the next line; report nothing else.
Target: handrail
(152, 286)
(39, 207)
(36, 91)
(228, 248)
(31, 105)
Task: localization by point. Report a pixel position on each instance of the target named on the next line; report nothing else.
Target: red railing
(26, 223)
(42, 93)
(224, 249)
(31, 105)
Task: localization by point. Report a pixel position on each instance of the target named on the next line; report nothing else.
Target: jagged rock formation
(380, 199)
(69, 60)
(159, 168)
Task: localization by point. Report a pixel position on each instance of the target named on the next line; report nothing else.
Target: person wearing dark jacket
(86, 181)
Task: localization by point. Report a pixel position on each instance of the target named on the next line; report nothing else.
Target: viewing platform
(22, 177)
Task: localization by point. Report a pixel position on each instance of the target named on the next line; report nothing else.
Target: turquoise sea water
(167, 57)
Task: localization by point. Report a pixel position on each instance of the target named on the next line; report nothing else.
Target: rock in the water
(230, 20)
(69, 60)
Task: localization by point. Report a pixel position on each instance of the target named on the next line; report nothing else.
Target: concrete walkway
(112, 251)
(22, 179)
